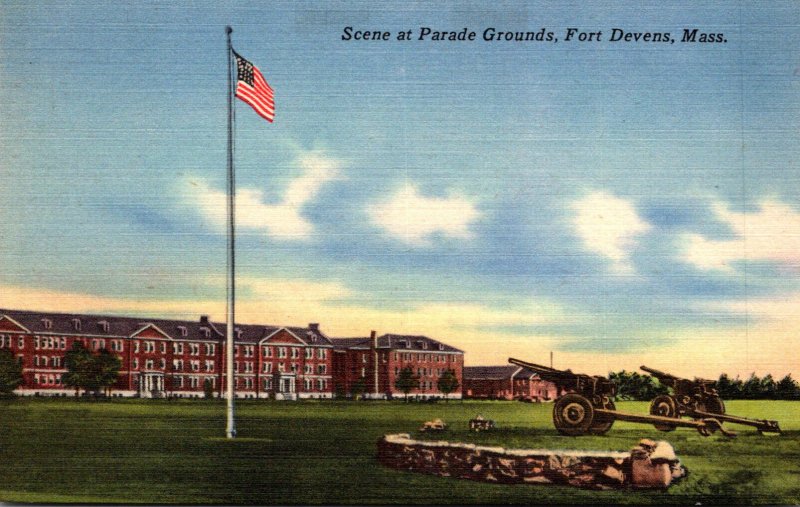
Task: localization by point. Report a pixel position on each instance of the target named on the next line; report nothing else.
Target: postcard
(410, 253)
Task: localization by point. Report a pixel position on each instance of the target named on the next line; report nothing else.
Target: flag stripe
(245, 91)
(267, 112)
(253, 89)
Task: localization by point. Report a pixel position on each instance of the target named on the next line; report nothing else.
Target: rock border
(649, 465)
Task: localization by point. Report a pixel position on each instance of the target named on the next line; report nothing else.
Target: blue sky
(608, 201)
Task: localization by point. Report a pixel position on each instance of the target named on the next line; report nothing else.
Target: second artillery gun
(587, 405)
(697, 399)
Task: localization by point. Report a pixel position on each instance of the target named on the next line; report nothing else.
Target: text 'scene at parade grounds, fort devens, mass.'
(569, 35)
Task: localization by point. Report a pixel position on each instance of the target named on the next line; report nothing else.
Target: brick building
(379, 359)
(507, 383)
(172, 357)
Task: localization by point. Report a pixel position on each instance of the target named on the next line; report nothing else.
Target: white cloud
(770, 234)
(283, 220)
(414, 218)
(608, 225)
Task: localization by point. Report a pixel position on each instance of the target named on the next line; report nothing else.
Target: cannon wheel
(602, 423)
(664, 406)
(715, 405)
(572, 415)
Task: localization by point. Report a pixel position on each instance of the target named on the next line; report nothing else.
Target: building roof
(396, 341)
(503, 372)
(116, 326)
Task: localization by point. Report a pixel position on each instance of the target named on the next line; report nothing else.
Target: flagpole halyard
(231, 279)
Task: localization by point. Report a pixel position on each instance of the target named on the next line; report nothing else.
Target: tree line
(636, 386)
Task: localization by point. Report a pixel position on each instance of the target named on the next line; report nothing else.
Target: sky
(615, 203)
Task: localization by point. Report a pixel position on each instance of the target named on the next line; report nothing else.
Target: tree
(447, 383)
(10, 373)
(358, 388)
(90, 372)
(751, 389)
(208, 389)
(107, 366)
(787, 388)
(406, 381)
(77, 361)
(633, 386)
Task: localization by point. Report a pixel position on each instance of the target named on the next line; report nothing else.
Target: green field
(155, 451)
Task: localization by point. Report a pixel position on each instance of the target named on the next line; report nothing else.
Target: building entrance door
(285, 383)
(151, 385)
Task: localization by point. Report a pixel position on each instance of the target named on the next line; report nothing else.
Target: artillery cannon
(697, 399)
(587, 406)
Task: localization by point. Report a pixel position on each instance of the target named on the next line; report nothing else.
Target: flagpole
(231, 285)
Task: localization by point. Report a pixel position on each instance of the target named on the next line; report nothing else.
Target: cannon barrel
(663, 376)
(536, 367)
(660, 375)
(561, 378)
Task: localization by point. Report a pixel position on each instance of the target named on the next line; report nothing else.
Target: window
(281, 367)
(103, 325)
(267, 383)
(148, 364)
(364, 358)
(36, 360)
(36, 342)
(321, 369)
(194, 349)
(177, 348)
(210, 349)
(136, 347)
(162, 364)
(267, 367)
(309, 353)
(135, 363)
(183, 331)
(295, 353)
(195, 365)
(56, 361)
(321, 353)
(453, 359)
(248, 367)
(294, 367)
(20, 342)
(308, 369)
(281, 352)
(47, 323)
(268, 351)
(194, 382)
(177, 364)
(209, 365)
(177, 382)
(248, 383)
(163, 347)
(321, 383)
(76, 324)
(149, 346)
(363, 372)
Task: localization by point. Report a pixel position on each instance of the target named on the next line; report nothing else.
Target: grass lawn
(154, 451)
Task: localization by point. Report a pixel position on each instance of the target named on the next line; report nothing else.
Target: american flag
(251, 87)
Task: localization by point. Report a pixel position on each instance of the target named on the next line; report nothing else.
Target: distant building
(378, 360)
(172, 357)
(507, 383)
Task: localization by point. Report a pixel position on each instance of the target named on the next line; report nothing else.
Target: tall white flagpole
(231, 285)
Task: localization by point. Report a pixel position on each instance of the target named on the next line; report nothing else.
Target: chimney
(204, 319)
(314, 326)
(373, 343)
